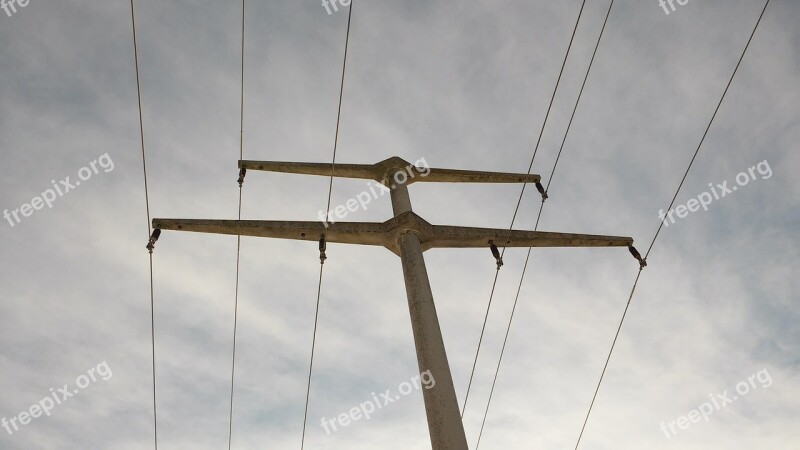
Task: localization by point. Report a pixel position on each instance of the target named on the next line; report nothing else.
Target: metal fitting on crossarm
(496, 254)
(322, 247)
(242, 173)
(638, 256)
(541, 190)
(153, 238)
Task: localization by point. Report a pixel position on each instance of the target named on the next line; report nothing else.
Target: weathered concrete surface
(445, 426)
(441, 405)
(407, 235)
(381, 172)
(386, 234)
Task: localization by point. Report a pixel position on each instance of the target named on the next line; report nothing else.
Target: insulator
(541, 190)
(638, 256)
(322, 248)
(153, 238)
(496, 254)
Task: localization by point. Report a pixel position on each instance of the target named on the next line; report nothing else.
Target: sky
(461, 85)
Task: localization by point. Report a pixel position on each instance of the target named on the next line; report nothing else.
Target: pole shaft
(441, 404)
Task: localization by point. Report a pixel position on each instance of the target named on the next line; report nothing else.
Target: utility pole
(408, 236)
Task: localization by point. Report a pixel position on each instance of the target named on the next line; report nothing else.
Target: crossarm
(465, 237)
(476, 176)
(386, 234)
(366, 171)
(383, 171)
(364, 233)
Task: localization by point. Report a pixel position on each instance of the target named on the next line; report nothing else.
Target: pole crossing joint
(242, 173)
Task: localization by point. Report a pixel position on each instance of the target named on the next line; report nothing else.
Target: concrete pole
(441, 404)
(405, 235)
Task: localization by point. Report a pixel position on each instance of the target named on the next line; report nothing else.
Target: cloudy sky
(462, 85)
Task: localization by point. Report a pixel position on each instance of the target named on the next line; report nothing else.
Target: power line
(549, 107)
(238, 237)
(539, 215)
(480, 341)
(149, 233)
(519, 201)
(680, 185)
(322, 244)
(578, 100)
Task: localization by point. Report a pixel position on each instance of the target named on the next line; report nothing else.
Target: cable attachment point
(242, 173)
(153, 238)
(541, 190)
(322, 247)
(496, 254)
(638, 256)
